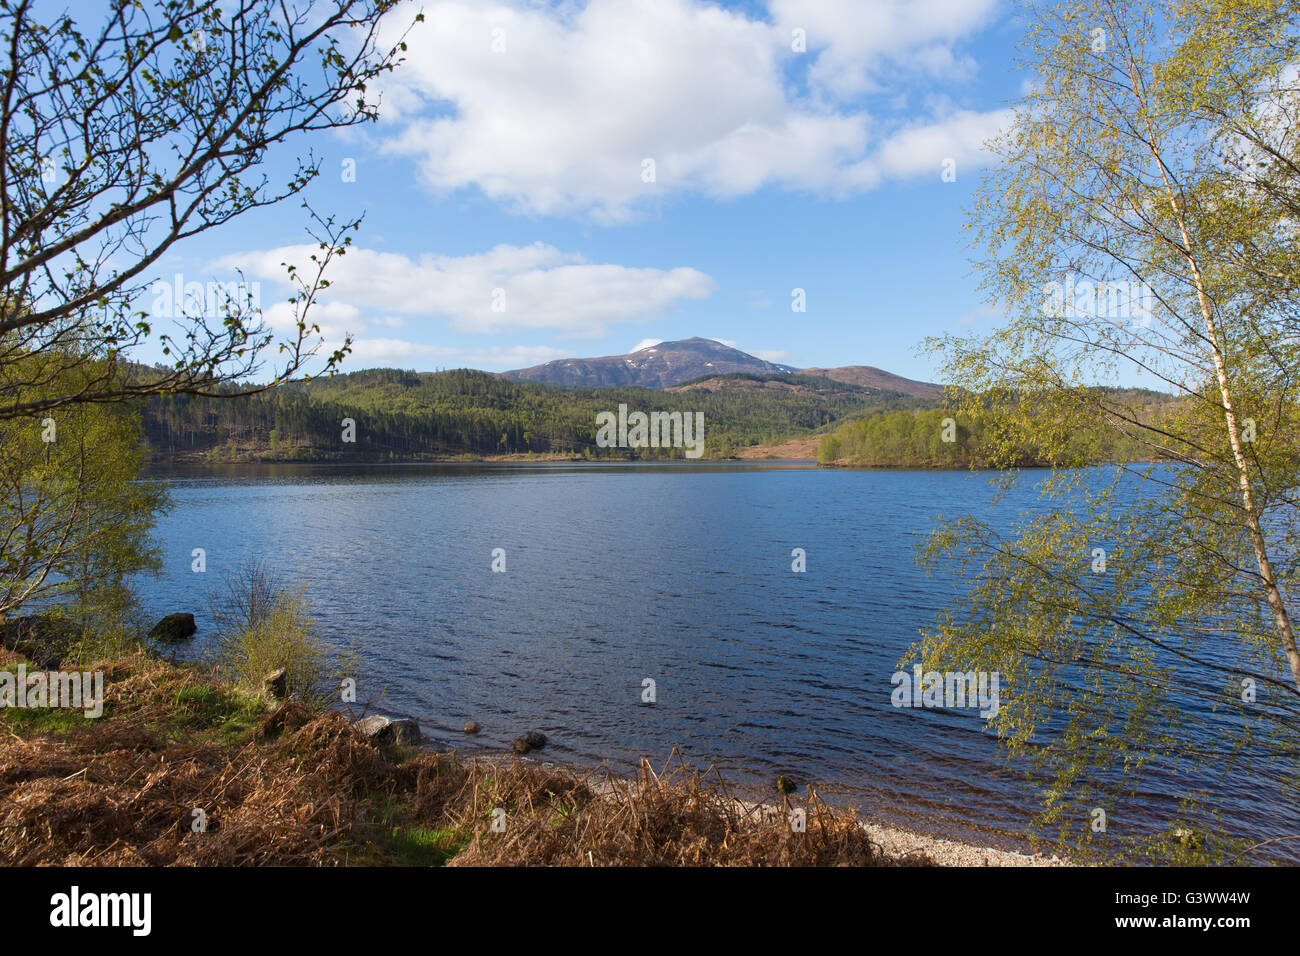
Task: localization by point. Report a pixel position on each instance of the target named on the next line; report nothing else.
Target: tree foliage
(934, 438)
(410, 415)
(1156, 152)
(124, 134)
(74, 522)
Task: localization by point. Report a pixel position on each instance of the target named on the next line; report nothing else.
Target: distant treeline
(403, 415)
(934, 438)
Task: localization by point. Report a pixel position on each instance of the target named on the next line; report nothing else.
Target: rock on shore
(387, 730)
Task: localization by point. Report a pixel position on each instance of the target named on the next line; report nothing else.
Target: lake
(679, 573)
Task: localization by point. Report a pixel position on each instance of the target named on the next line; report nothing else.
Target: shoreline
(896, 841)
(290, 784)
(286, 783)
(161, 463)
(754, 457)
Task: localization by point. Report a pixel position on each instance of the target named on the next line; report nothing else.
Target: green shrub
(112, 630)
(263, 627)
(828, 449)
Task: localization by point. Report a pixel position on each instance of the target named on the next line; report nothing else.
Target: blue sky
(509, 169)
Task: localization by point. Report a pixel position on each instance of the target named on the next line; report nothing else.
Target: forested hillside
(937, 438)
(402, 415)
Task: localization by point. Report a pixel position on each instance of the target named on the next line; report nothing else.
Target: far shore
(792, 451)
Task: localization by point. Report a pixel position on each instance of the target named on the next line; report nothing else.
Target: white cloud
(397, 353)
(336, 319)
(855, 40)
(507, 287)
(644, 344)
(561, 120)
(922, 149)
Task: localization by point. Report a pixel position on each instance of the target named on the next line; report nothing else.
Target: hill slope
(659, 366)
(670, 364)
(400, 415)
(870, 377)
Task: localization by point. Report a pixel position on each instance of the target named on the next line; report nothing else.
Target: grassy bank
(183, 769)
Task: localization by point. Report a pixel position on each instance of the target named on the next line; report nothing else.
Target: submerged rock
(174, 628)
(533, 740)
(472, 727)
(386, 730)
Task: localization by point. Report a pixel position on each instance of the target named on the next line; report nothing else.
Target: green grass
(398, 841)
(44, 720)
(213, 712)
(203, 711)
(425, 846)
(39, 720)
(563, 809)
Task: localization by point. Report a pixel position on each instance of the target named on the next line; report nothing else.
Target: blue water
(617, 573)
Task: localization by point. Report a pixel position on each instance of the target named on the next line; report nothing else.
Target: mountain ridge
(669, 364)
